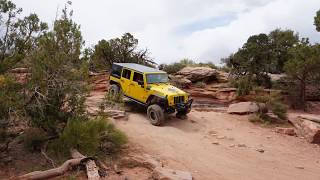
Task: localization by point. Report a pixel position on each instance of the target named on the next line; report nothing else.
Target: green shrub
(88, 136)
(171, 68)
(279, 109)
(11, 99)
(113, 101)
(117, 98)
(274, 103)
(33, 139)
(200, 84)
(243, 85)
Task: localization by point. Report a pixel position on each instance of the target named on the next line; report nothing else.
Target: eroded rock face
(243, 108)
(228, 94)
(195, 74)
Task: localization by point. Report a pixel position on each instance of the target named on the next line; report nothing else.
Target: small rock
(260, 150)
(232, 145)
(242, 145)
(221, 137)
(269, 137)
(230, 138)
(212, 133)
(299, 167)
(215, 143)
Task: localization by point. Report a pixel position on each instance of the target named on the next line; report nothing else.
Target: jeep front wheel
(155, 114)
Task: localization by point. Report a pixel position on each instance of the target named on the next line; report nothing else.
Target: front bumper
(184, 107)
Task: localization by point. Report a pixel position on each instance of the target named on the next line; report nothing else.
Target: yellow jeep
(149, 87)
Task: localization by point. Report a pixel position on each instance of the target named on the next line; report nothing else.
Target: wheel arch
(154, 99)
(111, 82)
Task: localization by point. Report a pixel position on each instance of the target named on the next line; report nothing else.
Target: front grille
(178, 99)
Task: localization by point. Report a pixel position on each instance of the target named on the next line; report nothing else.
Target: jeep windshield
(157, 78)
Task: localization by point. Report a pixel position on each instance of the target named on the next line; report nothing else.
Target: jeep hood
(166, 89)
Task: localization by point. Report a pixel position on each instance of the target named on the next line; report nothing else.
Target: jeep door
(125, 81)
(136, 88)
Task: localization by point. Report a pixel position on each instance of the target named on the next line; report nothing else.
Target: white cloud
(174, 29)
(212, 44)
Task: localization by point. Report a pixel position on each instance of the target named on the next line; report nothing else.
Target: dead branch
(44, 154)
(52, 172)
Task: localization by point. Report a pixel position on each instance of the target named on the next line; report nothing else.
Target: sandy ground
(216, 145)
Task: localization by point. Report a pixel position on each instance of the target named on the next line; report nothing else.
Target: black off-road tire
(156, 114)
(114, 89)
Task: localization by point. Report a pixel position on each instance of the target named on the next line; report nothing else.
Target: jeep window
(116, 70)
(126, 73)
(157, 78)
(137, 77)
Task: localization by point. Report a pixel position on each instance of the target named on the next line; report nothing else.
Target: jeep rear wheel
(155, 114)
(114, 90)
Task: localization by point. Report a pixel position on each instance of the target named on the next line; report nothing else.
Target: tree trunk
(303, 93)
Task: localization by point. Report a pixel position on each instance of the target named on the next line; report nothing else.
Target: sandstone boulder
(243, 108)
(308, 127)
(180, 81)
(195, 74)
(170, 174)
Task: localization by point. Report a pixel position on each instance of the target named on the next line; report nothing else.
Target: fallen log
(37, 175)
(116, 114)
(91, 167)
(78, 159)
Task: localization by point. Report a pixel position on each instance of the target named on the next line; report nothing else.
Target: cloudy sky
(204, 30)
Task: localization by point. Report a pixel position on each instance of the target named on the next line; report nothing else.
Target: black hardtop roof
(139, 68)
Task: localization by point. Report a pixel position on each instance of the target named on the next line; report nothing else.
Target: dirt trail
(215, 145)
